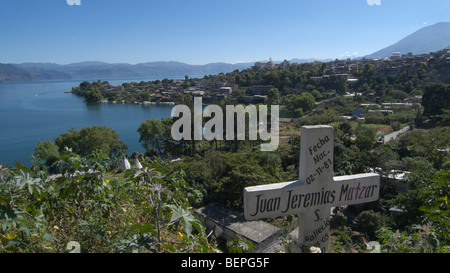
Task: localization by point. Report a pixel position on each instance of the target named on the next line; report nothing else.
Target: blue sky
(206, 31)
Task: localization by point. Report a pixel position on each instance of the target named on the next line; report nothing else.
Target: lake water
(41, 110)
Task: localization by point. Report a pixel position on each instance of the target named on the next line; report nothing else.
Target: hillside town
(232, 86)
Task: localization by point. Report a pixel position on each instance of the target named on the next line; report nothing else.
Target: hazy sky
(205, 31)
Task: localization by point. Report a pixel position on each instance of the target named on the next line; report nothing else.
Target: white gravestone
(316, 191)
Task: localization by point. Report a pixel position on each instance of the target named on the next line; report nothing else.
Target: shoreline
(141, 103)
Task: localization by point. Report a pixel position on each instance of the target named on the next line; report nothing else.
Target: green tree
(365, 137)
(426, 218)
(151, 135)
(385, 158)
(420, 169)
(304, 102)
(274, 96)
(369, 222)
(423, 71)
(426, 144)
(316, 94)
(445, 117)
(369, 71)
(93, 95)
(435, 206)
(47, 151)
(396, 95)
(238, 175)
(307, 102)
(92, 138)
(145, 96)
(436, 98)
(155, 135)
(68, 139)
(342, 86)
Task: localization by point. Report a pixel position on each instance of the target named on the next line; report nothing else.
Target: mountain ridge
(425, 40)
(428, 39)
(94, 69)
(30, 71)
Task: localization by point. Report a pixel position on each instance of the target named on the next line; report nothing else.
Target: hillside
(12, 73)
(426, 40)
(96, 70)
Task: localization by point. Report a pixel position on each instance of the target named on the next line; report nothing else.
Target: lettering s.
(317, 215)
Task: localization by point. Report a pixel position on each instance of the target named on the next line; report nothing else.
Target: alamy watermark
(257, 125)
(374, 247)
(74, 2)
(78, 2)
(374, 2)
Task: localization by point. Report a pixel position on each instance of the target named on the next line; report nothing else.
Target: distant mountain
(44, 71)
(310, 60)
(428, 39)
(92, 70)
(12, 73)
(101, 70)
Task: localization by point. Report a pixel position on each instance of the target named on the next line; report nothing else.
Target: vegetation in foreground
(151, 210)
(136, 211)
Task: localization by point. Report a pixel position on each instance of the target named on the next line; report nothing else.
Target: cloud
(348, 54)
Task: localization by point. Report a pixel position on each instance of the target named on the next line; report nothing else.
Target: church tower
(270, 63)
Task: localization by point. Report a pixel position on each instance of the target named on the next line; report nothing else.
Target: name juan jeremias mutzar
(295, 201)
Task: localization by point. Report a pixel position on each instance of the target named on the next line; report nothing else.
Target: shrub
(85, 205)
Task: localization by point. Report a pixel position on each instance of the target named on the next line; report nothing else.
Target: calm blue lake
(41, 110)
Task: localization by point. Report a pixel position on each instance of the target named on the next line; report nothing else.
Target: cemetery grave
(316, 191)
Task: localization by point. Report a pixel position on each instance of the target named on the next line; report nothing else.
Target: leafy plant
(240, 245)
(137, 211)
(422, 239)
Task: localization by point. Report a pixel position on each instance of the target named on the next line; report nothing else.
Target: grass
(381, 128)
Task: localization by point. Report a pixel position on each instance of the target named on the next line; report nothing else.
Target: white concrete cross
(316, 191)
